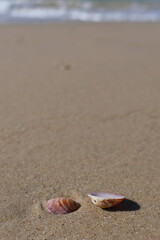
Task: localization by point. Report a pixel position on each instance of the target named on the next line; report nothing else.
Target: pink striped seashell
(62, 206)
(105, 200)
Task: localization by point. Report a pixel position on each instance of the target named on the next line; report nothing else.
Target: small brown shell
(105, 200)
(62, 206)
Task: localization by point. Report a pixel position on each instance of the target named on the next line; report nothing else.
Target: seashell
(62, 206)
(105, 200)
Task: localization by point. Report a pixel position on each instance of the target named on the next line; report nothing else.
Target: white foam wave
(18, 11)
(81, 15)
(4, 7)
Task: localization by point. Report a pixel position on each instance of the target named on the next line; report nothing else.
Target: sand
(79, 112)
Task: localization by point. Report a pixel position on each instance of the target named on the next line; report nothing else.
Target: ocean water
(13, 11)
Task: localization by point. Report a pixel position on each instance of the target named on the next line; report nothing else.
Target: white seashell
(62, 206)
(105, 200)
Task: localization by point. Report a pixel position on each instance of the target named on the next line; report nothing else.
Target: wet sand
(79, 112)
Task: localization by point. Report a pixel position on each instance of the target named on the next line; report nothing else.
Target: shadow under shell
(125, 205)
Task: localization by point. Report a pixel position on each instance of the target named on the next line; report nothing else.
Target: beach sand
(79, 112)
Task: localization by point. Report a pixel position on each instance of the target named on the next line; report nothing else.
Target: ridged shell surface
(105, 200)
(62, 206)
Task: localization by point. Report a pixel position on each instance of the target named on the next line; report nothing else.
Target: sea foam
(86, 11)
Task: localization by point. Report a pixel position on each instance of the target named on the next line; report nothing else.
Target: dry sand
(79, 112)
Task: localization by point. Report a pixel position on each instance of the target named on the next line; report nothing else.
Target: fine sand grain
(79, 113)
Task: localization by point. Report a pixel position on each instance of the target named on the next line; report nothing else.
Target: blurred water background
(13, 11)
